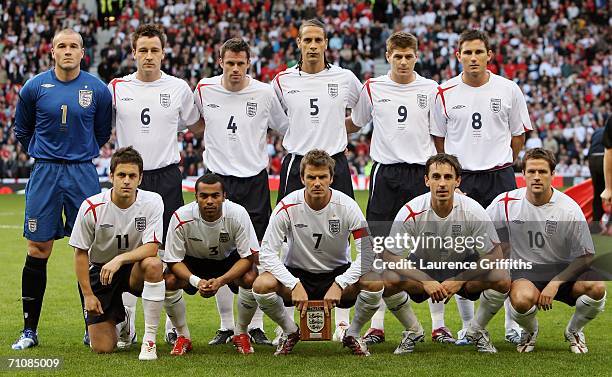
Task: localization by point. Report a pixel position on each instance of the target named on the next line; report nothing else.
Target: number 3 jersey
(237, 125)
(106, 230)
(553, 233)
(478, 122)
(189, 234)
(148, 116)
(318, 240)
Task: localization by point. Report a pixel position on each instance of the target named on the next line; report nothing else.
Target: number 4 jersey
(107, 230)
(148, 116)
(479, 122)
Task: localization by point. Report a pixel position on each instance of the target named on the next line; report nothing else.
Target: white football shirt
(555, 232)
(106, 230)
(478, 123)
(401, 117)
(317, 240)
(466, 230)
(148, 116)
(237, 125)
(189, 234)
(316, 105)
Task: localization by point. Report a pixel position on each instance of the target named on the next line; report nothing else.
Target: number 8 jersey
(479, 122)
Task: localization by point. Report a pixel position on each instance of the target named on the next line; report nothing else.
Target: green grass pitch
(61, 331)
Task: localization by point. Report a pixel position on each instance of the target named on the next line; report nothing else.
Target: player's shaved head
(317, 158)
(127, 155)
(210, 179)
(443, 158)
(64, 32)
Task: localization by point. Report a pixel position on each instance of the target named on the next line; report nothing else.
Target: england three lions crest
(140, 223)
(164, 100)
(251, 109)
(495, 105)
(334, 226)
(422, 101)
(332, 90)
(85, 98)
(315, 319)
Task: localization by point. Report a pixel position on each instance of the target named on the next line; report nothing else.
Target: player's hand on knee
(92, 305)
(435, 290)
(547, 296)
(299, 297)
(203, 288)
(332, 297)
(108, 270)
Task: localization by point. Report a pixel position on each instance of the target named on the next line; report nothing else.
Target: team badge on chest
(85, 98)
(164, 100)
(550, 227)
(495, 105)
(334, 226)
(422, 101)
(224, 237)
(140, 223)
(332, 90)
(251, 109)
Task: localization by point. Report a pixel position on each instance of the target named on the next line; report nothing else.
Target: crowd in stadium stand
(557, 51)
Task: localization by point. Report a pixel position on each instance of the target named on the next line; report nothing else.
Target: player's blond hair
(402, 40)
(317, 158)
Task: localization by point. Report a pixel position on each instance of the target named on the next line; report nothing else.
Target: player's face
(125, 179)
(442, 181)
(210, 198)
(67, 51)
(538, 176)
(317, 181)
(148, 54)
(235, 66)
(474, 57)
(402, 61)
(312, 43)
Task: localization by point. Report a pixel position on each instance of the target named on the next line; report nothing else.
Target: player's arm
(25, 115)
(103, 120)
(606, 195)
(197, 129)
(438, 143)
(271, 246)
(517, 143)
(110, 268)
(278, 119)
(350, 126)
(570, 273)
(81, 264)
(437, 121)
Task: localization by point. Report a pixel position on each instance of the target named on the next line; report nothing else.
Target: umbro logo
(456, 107)
(47, 85)
(127, 99)
(293, 91)
(195, 239)
(301, 226)
(213, 105)
(106, 226)
(384, 100)
(518, 222)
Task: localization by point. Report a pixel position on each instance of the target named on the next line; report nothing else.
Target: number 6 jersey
(107, 230)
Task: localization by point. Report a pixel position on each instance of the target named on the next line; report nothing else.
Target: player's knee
(40, 250)
(265, 283)
(595, 289)
(371, 285)
(172, 282)
(248, 279)
(102, 347)
(152, 268)
(502, 286)
(522, 301)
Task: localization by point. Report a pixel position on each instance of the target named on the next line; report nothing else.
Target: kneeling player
(317, 223)
(210, 243)
(431, 221)
(115, 237)
(547, 230)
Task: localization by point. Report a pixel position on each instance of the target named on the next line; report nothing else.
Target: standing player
(212, 243)
(475, 113)
(440, 218)
(317, 223)
(237, 111)
(547, 228)
(315, 96)
(398, 104)
(63, 117)
(115, 240)
(150, 107)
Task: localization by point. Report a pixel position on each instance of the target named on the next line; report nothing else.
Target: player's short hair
(67, 31)
(236, 45)
(540, 154)
(402, 40)
(126, 155)
(210, 179)
(472, 35)
(317, 158)
(444, 158)
(149, 30)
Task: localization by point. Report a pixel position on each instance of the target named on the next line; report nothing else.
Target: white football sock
(466, 310)
(225, 307)
(129, 302)
(527, 320)
(367, 304)
(436, 309)
(586, 310)
(176, 313)
(153, 295)
(378, 319)
(509, 323)
(341, 315)
(257, 321)
(272, 305)
(290, 310)
(490, 303)
(246, 309)
(399, 306)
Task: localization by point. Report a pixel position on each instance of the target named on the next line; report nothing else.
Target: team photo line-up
(443, 158)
